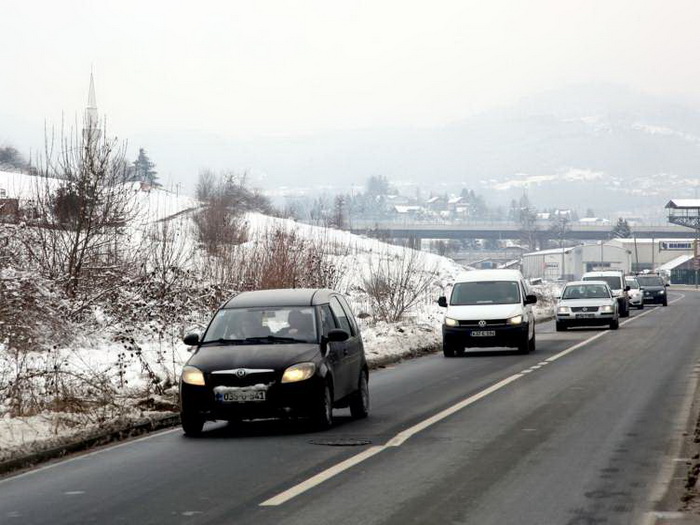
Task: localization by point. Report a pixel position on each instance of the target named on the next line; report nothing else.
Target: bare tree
(82, 204)
(397, 283)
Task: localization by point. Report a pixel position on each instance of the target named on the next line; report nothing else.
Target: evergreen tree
(143, 169)
(621, 230)
(11, 159)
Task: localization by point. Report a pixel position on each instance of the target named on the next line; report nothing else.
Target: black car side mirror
(191, 339)
(337, 335)
(442, 301)
(530, 299)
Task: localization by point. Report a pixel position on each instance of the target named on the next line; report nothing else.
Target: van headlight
(607, 308)
(563, 310)
(451, 322)
(298, 372)
(192, 376)
(518, 319)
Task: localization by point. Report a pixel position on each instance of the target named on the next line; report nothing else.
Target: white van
(617, 284)
(488, 308)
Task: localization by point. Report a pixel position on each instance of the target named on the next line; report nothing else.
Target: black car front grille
(233, 379)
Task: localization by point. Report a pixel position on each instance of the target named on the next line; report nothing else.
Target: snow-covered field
(160, 353)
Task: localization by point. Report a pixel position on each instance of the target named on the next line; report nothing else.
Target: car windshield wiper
(273, 339)
(223, 341)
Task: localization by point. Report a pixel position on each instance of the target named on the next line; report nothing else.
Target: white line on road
(400, 438)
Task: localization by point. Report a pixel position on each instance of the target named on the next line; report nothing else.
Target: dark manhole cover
(341, 442)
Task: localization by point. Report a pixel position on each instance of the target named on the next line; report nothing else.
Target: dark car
(272, 353)
(654, 289)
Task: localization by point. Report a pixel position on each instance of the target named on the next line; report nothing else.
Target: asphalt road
(585, 430)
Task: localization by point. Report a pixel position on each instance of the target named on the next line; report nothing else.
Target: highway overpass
(509, 230)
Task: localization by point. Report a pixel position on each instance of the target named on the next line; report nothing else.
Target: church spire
(91, 120)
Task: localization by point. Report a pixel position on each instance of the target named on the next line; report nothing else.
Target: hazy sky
(256, 67)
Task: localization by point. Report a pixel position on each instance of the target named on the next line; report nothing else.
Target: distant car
(654, 289)
(271, 353)
(635, 294)
(616, 282)
(587, 303)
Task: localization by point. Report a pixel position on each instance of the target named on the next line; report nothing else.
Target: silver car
(587, 303)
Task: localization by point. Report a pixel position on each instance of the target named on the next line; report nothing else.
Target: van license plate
(585, 316)
(483, 333)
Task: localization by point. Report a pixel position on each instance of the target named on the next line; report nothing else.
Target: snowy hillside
(141, 361)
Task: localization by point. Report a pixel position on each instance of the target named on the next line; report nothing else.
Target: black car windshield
(614, 282)
(486, 292)
(263, 325)
(586, 291)
(650, 280)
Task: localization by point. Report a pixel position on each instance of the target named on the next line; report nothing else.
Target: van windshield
(486, 292)
(614, 282)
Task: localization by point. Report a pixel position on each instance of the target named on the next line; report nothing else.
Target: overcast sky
(256, 67)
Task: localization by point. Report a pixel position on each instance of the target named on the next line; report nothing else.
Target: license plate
(585, 316)
(239, 395)
(483, 333)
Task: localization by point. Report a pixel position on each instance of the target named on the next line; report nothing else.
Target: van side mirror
(191, 339)
(530, 299)
(442, 301)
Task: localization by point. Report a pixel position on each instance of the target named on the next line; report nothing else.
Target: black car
(272, 353)
(654, 289)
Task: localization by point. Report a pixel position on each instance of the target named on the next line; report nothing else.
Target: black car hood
(276, 356)
(653, 288)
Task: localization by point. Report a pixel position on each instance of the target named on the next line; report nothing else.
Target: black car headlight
(192, 376)
(298, 372)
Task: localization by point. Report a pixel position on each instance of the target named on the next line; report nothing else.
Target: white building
(649, 254)
(571, 263)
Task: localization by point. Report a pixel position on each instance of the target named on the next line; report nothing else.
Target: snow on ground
(95, 354)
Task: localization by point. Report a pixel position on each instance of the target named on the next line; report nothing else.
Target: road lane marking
(400, 438)
(319, 478)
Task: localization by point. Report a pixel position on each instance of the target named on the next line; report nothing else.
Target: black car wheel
(322, 416)
(359, 404)
(447, 352)
(192, 422)
(614, 325)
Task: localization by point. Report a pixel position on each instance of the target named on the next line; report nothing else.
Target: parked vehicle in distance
(587, 303)
(488, 308)
(616, 282)
(272, 353)
(635, 294)
(654, 288)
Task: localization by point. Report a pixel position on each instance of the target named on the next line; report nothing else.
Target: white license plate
(483, 333)
(585, 316)
(238, 395)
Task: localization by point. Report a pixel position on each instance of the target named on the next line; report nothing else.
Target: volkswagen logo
(584, 309)
(240, 372)
(482, 323)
